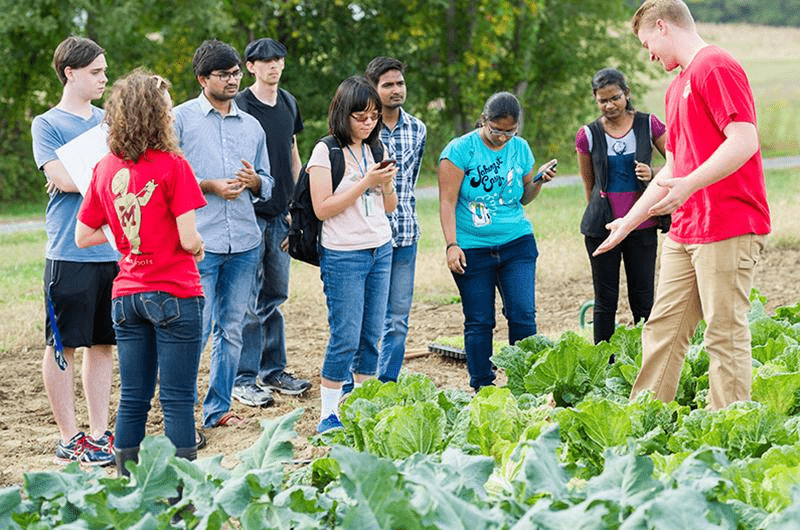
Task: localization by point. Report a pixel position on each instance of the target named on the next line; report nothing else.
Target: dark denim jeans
(638, 252)
(158, 339)
(356, 286)
(263, 335)
(511, 268)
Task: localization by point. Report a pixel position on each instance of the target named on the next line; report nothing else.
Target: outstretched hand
(618, 233)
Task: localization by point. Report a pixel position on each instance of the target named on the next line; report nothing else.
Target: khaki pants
(705, 281)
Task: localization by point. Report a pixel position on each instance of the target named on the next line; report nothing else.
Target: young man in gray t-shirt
(77, 282)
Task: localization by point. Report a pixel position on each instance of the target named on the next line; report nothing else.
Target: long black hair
(354, 94)
(612, 76)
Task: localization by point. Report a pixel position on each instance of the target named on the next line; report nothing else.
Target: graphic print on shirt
(129, 206)
(486, 176)
(499, 182)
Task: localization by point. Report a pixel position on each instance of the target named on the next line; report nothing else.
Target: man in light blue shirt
(228, 151)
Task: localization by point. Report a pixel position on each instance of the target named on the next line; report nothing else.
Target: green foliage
(517, 360)
(766, 482)
(414, 456)
(458, 53)
(497, 424)
(597, 424)
(569, 370)
(746, 429)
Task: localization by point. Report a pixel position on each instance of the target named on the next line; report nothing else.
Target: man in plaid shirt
(404, 136)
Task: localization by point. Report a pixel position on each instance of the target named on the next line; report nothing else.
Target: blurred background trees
(458, 53)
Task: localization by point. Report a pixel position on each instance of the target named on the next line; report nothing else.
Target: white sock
(357, 385)
(330, 401)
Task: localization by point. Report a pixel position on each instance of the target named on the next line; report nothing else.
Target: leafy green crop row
(560, 447)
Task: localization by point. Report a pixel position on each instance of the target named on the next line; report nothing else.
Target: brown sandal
(199, 439)
(229, 419)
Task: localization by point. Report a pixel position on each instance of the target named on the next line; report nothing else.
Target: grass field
(771, 58)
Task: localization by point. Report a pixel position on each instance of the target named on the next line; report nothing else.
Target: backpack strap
(377, 150)
(336, 156)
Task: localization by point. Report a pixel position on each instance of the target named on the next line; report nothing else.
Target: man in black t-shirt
(262, 366)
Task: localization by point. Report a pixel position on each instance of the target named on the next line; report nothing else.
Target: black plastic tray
(448, 352)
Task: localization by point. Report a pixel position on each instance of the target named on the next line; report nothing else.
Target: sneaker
(104, 443)
(252, 395)
(331, 423)
(286, 383)
(81, 449)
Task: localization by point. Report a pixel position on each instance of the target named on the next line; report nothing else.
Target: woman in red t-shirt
(146, 192)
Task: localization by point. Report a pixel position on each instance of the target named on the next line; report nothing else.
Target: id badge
(369, 204)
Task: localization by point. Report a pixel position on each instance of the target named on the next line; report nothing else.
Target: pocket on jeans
(117, 311)
(161, 308)
(750, 252)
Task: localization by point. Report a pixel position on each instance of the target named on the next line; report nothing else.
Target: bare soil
(28, 433)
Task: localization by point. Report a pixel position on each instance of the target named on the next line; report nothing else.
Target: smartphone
(386, 163)
(539, 176)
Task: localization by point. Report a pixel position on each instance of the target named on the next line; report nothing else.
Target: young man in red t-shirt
(713, 185)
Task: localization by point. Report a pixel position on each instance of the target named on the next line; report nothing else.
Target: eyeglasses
(497, 132)
(612, 99)
(227, 76)
(361, 118)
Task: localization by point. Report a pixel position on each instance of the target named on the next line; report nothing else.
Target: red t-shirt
(701, 101)
(140, 203)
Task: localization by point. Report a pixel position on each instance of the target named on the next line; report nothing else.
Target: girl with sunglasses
(356, 253)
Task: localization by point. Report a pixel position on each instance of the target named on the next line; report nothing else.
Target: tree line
(458, 52)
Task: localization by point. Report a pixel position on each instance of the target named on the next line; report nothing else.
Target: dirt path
(28, 433)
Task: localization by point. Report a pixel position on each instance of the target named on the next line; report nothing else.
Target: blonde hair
(139, 116)
(675, 11)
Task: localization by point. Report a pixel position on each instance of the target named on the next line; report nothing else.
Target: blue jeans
(158, 338)
(356, 286)
(263, 337)
(228, 284)
(511, 268)
(395, 329)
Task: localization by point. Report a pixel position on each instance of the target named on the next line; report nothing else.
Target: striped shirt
(406, 144)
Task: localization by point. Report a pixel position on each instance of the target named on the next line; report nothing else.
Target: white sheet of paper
(80, 155)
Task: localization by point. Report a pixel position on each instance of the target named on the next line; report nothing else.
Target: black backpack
(306, 229)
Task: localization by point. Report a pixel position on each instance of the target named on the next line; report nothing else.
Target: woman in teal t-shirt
(485, 177)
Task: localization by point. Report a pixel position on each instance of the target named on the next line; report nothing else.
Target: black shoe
(286, 383)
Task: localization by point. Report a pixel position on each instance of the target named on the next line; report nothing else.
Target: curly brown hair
(139, 116)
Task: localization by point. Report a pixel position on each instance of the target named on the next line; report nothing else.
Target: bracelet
(449, 245)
